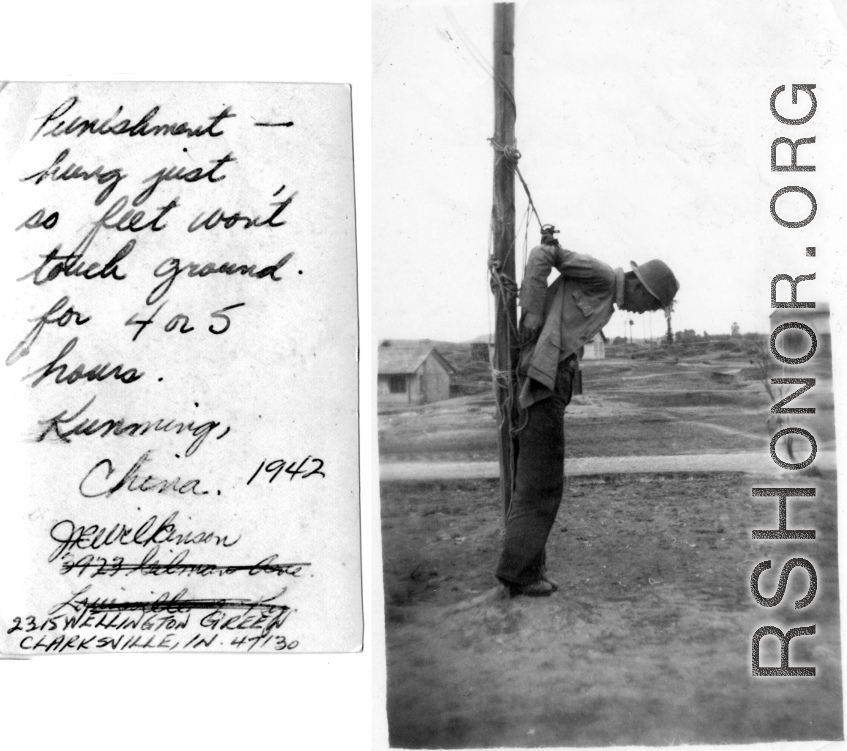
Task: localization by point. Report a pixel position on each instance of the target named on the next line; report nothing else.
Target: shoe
(552, 582)
(538, 588)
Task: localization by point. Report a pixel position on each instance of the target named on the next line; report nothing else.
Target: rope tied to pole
(508, 379)
(507, 289)
(505, 285)
(512, 155)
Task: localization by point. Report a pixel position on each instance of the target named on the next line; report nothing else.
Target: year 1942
(304, 469)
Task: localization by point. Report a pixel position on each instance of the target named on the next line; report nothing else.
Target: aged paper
(180, 334)
(668, 569)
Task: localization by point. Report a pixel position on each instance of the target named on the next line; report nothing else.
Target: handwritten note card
(180, 380)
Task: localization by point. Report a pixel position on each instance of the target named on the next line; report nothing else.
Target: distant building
(596, 348)
(412, 372)
(482, 347)
(794, 342)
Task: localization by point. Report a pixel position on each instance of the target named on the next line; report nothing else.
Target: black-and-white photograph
(604, 256)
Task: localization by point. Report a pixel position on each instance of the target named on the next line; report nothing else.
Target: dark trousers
(539, 483)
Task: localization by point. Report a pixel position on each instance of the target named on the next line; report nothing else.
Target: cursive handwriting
(81, 611)
(152, 531)
(101, 220)
(179, 173)
(169, 269)
(71, 264)
(56, 315)
(132, 481)
(110, 178)
(150, 565)
(231, 220)
(100, 427)
(53, 125)
(81, 372)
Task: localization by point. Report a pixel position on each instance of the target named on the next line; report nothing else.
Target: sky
(645, 132)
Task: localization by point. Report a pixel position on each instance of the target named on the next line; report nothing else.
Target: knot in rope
(504, 377)
(512, 156)
(510, 153)
(507, 286)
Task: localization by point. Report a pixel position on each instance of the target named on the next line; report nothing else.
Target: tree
(686, 336)
(736, 329)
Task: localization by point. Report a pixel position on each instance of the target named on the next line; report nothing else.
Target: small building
(482, 348)
(596, 348)
(795, 342)
(412, 372)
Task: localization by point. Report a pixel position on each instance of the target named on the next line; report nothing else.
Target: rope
(480, 60)
(525, 223)
(507, 286)
(512, 155)
(507, 289)
(500, 284)
(528, 195)
(507, 379)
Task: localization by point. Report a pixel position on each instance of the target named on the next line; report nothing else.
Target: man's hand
(532, 324)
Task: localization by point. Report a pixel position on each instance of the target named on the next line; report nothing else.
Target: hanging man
(556, 322)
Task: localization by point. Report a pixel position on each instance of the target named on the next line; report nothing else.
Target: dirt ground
(648, 639)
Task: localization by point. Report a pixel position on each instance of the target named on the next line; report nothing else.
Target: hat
(658, 279)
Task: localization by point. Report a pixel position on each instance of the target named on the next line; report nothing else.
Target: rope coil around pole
(507, 288)
(511, 154)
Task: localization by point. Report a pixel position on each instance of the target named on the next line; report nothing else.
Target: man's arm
(542, 260)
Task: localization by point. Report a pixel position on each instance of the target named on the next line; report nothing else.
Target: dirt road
(756, 463)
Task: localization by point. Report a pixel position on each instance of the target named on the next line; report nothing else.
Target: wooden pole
(506, 350)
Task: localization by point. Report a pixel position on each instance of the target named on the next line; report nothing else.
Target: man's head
(650, 286)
